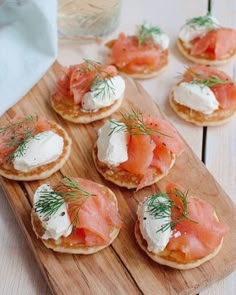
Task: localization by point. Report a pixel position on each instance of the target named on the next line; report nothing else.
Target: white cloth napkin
(28, 46)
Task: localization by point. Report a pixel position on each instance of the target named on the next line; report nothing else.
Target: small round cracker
(61, 245)
(44, 171)
(170, 262)
(146, 76)
(203, 59)
(218, 117)
(74, 113)
(124, 178)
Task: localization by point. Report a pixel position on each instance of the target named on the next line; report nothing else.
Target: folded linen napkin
(28, 38)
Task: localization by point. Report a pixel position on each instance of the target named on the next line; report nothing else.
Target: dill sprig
(21, 149)
(169, 208)
(212, 81)
(19, 133)
(202, 21)
(134, 124)
(146, 33)
(103, 87)
(68, 191)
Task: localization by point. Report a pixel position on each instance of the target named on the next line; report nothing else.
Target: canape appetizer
(141, 56)
(32, 148)
(88, 92)
(136, 151)
(178, 230)
(77, 216)
(205, 96)
(203, 41)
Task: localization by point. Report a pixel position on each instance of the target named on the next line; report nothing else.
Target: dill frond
(19, 133)
(169, 208)
(68, 191)
(134, 124)
(212, 81)
(202, 21)
(146, 33)
(102, 86)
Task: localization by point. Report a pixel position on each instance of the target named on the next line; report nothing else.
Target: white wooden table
(19, 273)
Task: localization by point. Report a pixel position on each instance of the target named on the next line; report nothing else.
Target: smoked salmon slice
(76, 80)
(152, 151)
(224, 92)
(217, 44)
(199, 238)
(130, 57)
(96, 217)
(204, 72)
(161, 158)
(167, 135)
(140, 147)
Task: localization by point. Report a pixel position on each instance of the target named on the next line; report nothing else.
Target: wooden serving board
(122, 268)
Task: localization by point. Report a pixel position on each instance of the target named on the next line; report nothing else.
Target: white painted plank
(221, 147)
(19, 271)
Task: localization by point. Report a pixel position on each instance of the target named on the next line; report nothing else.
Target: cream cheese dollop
(99, 97)
(157, 35)
(161, 39)
(43, 148)
(112, 146)
(197, 97)
(190, 31)
(55, 225)
(150, 226)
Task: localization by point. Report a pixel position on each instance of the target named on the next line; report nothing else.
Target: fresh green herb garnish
(134, 124)
(169, 208)
(21, 149)
(19, 135)
(202, 21)
(212, 81)
(68, 191)
(102, 86)
(146, 33)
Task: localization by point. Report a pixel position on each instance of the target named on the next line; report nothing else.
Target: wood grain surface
(121, 268)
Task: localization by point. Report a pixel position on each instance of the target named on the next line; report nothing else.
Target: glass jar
(87, 18)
